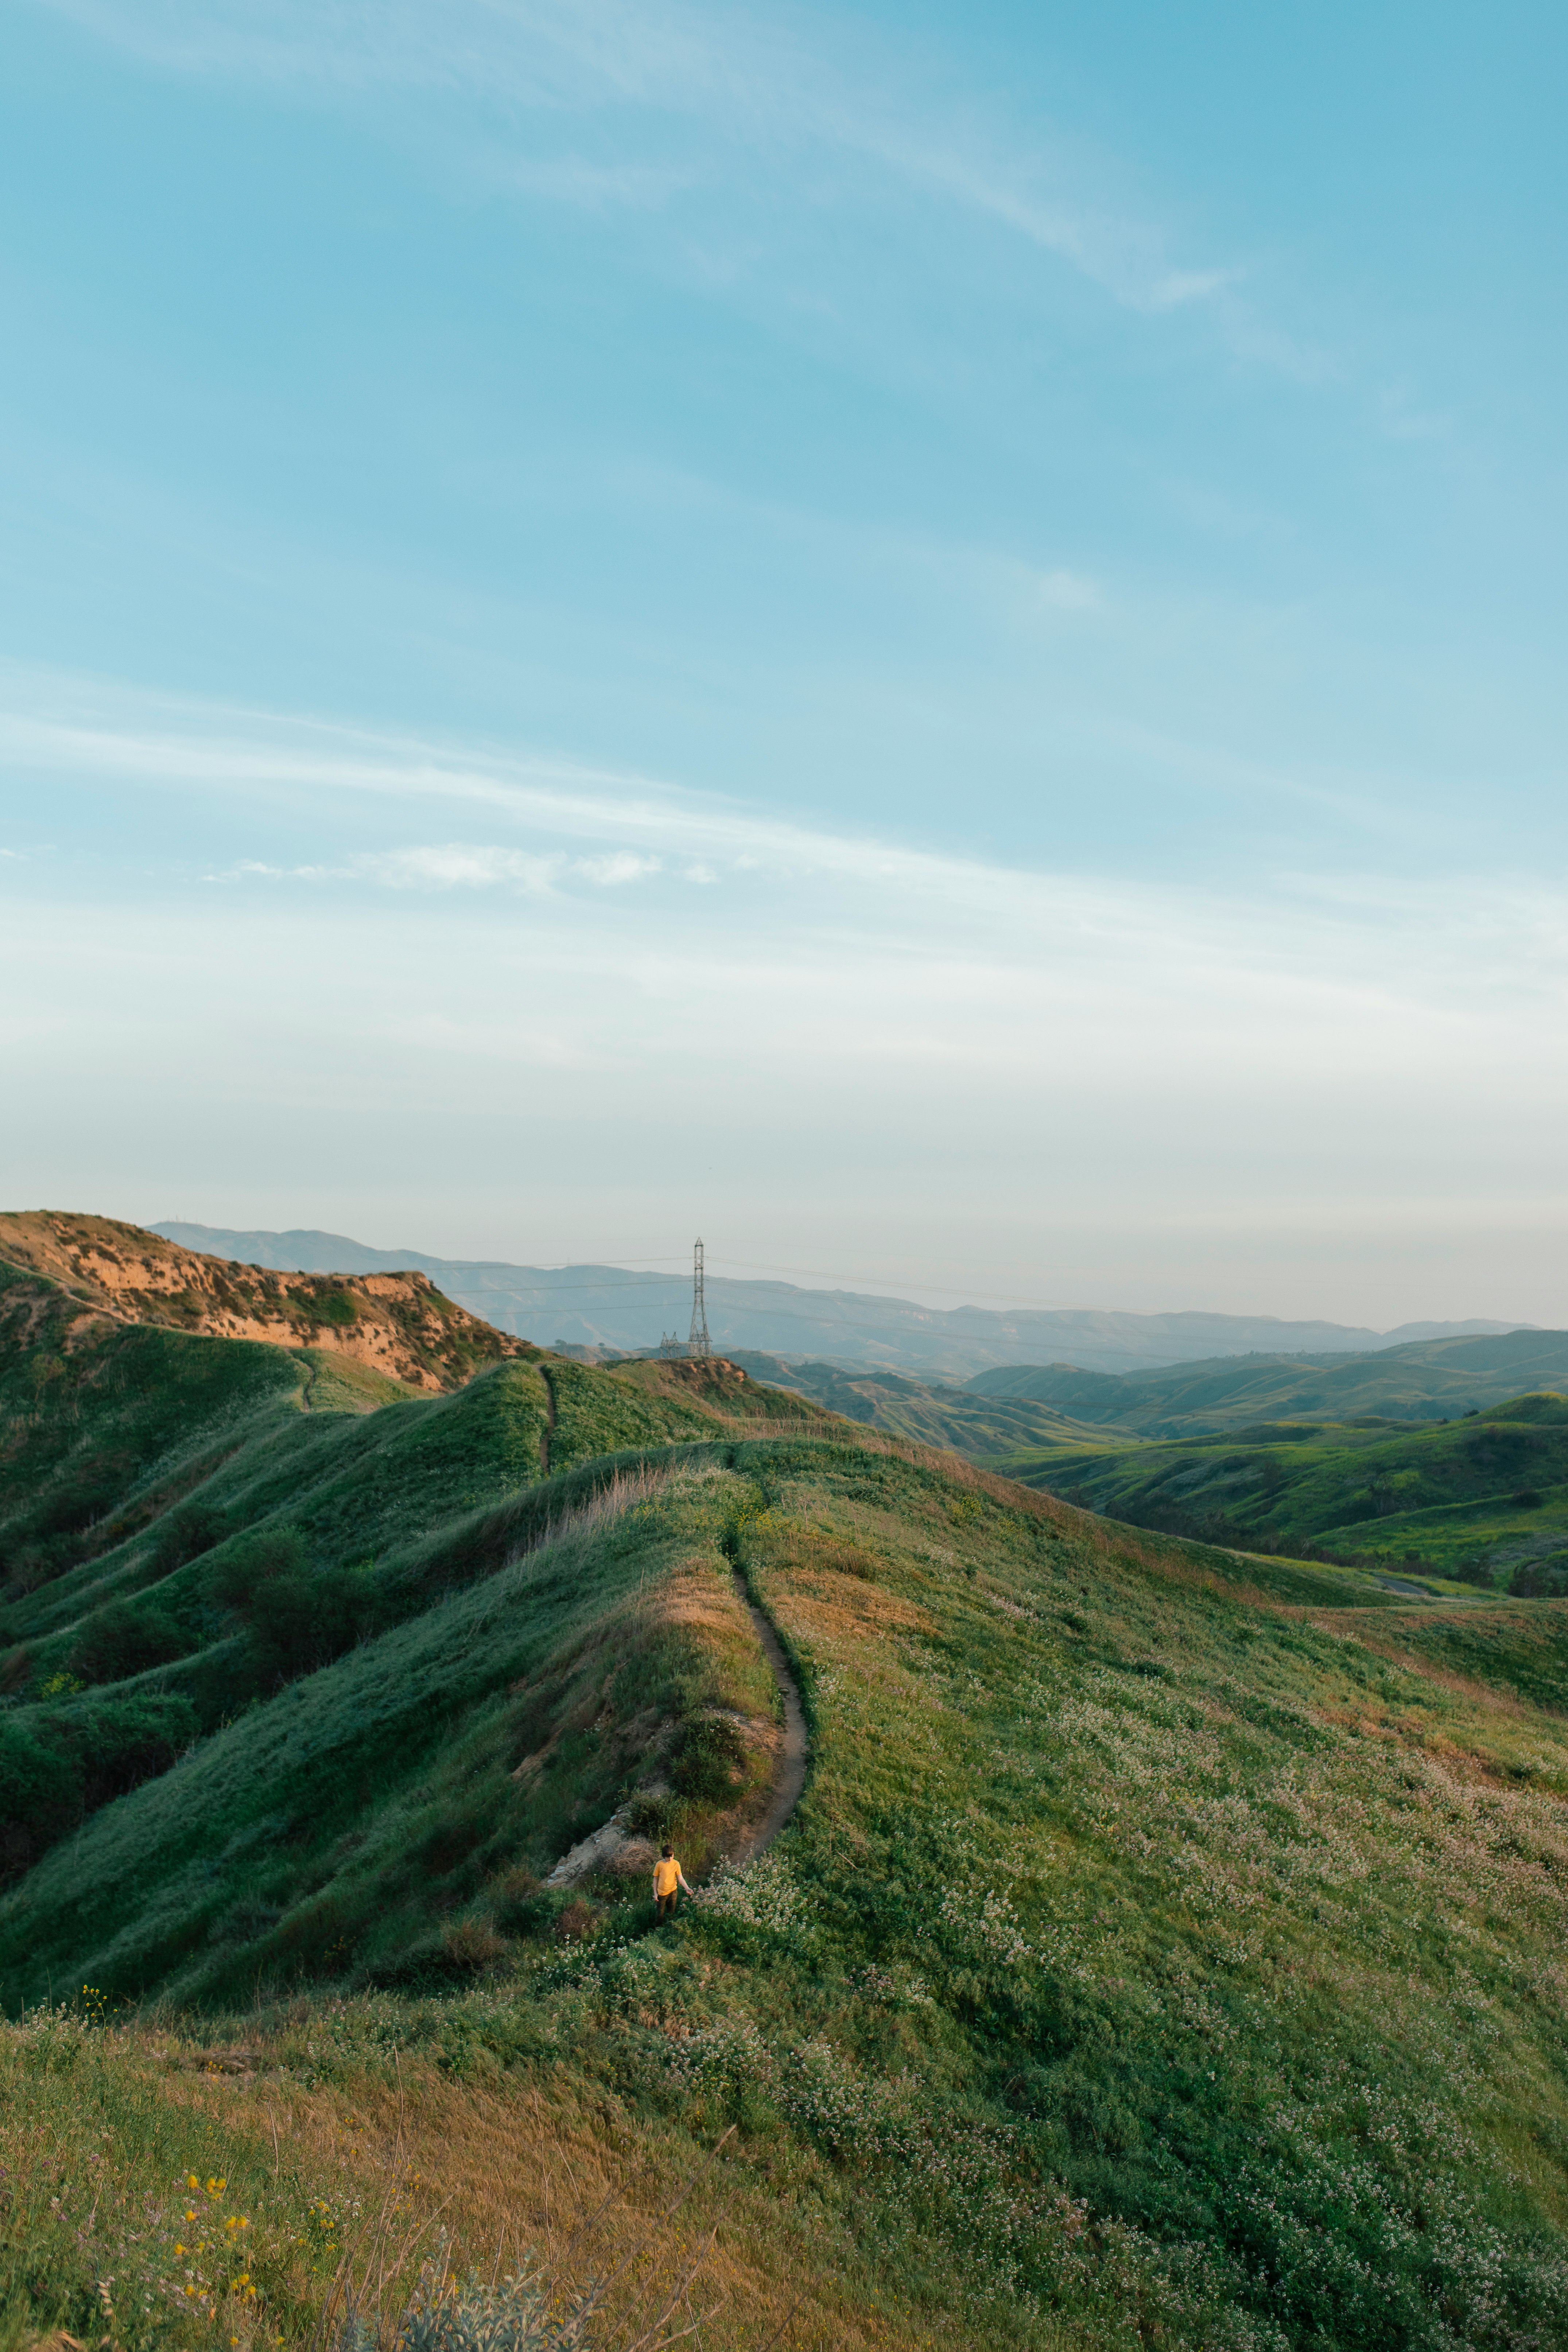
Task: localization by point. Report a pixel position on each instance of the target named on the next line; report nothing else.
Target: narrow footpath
(790, 1779)
(599, 1849)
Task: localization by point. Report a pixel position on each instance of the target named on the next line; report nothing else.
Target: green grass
(136, 2219)
(932, 1413)
(382, 1507)
(331, 1831)
(1167, 1948)
(1424, 1380)
(1149, 1948)
(1482, 1499)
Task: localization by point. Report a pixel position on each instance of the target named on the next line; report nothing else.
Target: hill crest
(397, 1324)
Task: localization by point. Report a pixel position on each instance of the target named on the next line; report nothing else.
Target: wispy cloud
(869, 1036)
(460, 865)
(1299, 938)
(758, 84)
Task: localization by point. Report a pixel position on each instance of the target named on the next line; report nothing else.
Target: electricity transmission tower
(699, 1344)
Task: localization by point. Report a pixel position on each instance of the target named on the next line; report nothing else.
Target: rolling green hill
(186, 1523)
(932, 1413)
(1428, 1379)
(1166, 1948)
(1484, 1498)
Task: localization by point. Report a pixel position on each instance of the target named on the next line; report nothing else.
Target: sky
(923, 640)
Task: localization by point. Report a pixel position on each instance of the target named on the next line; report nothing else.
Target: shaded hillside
(188, 1523)
(1484, 1498)
(396, 1324)
(1429, 1380)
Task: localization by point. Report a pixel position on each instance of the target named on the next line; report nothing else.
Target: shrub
(514, 1899)
(335, 1306)
(1541, 1580)
(297, 1617)
(116, 1744)
(576, 1920)
(120, 1639)
(186, 1535)
(514, 2316)
(472, 1945)
(38, 1798)
(707, 1761)
(255, 1560)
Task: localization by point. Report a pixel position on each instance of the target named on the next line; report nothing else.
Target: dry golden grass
(503, 2174)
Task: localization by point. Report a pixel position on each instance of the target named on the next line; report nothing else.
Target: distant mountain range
(613, 1306)
(1010, 1415)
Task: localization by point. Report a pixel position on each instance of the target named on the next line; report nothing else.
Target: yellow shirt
(666, 1876)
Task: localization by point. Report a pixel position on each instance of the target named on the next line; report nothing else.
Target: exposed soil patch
(396, 1324)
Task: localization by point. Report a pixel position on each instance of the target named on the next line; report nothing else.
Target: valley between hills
(1165, 1948)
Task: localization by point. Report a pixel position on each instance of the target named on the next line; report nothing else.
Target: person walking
(669, 1878)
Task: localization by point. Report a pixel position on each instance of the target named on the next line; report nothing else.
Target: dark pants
(666, 1903)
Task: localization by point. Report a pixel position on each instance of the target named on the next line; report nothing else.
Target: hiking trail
(790, 1779)
(599, 1849)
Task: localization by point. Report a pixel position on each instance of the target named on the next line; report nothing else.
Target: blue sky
(927, 639)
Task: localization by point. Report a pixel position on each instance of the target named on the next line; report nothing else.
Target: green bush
(707, 1761)
(186, 1535)
(120, 1639)
(297, 1617)
(116, 1744)
(38, 1798)
(336, 1308)
(65, 1763)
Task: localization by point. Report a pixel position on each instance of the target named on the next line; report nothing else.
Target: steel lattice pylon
(699, 1344)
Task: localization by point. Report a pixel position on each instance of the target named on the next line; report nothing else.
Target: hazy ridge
(618, 1307)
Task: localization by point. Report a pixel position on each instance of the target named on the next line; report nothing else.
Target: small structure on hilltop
(699, 1343)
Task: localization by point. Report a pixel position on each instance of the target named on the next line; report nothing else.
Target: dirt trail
(600, 1848)
(791, 1778)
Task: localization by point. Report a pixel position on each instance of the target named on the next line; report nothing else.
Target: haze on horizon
(925, 641)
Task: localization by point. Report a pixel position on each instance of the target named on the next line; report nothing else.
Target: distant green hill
(1166, 1950)
(934, 1412)
(1484, 1498)
(1426, 1379)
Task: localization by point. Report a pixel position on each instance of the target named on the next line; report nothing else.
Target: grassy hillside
(932, 1413)
(189, 1524)
(1428, 1380)
(1166, 1950)
(1484, 1498)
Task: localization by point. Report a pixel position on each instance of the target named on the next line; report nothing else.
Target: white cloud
(1312, 948)
(624, 866)
(867, 1037)
(456, 864)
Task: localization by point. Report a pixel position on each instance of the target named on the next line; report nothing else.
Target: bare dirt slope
(398, 1324)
